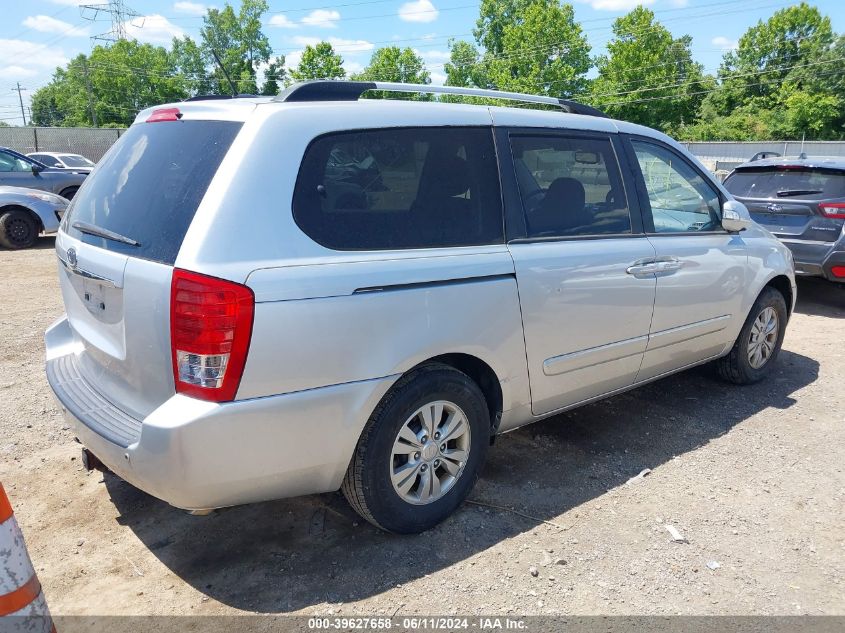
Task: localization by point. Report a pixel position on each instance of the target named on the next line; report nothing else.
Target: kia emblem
(71, 257)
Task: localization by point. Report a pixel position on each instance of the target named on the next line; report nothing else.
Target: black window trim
(516, 229)
(496, 157)
(642, 192)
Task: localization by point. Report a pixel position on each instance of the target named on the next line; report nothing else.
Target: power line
(119, 13)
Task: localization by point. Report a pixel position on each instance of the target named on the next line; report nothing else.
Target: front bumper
(198, 455)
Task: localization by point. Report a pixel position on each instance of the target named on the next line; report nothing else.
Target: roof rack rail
(335, 90)
(216, 97)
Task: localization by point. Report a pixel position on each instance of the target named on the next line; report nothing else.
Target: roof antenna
(225, 74)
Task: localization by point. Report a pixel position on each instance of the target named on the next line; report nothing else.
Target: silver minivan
(269, 297)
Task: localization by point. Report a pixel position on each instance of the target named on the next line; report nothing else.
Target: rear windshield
(148, 186)
(771, 182)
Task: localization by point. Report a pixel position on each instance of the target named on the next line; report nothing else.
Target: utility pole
(20, 98)
(90, 94)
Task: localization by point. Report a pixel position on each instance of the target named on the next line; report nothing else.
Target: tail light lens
(838, 271)
(164, 114)
(833, 210)
(210, 329)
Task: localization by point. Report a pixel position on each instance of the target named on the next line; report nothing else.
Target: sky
(36, 36)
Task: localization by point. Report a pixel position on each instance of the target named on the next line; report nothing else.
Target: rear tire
(757, 347)
(69, 193)
(18, 229)
(415, 462)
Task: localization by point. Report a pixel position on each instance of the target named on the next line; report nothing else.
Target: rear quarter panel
(348, 321)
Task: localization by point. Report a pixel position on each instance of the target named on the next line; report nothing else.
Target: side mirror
(735, 217)
(36, 169)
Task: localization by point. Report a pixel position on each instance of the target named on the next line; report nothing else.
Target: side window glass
(679, 197)
(7, 162)
(400, 188)
(569, 186)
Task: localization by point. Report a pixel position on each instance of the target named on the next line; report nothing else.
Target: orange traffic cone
(22, 603)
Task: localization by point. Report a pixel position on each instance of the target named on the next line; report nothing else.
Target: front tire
(18, 229)
(759, 342)
(420, 452)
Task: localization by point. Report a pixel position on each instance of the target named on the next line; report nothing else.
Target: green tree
(811, 115)
(273, 76)
(123, 78)
(395, 64)
(543, 50)
(189, 61)
(239, 43)
(319, 62)
(465, 67)
(648, 76)
(785, 49)
(493, 17)
(392, 63)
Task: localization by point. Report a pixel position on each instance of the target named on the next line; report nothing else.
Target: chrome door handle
(652, 266)
(642, 267)
(668, 264)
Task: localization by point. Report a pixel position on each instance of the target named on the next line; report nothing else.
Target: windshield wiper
(90, 229)
(797, 192)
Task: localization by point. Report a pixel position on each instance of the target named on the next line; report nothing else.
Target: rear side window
(400, 188)
(570, 186)
(772, 182)
(149, 185)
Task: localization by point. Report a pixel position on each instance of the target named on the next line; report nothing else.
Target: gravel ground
(751, 477)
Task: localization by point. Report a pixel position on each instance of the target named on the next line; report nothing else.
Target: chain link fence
(90, 142)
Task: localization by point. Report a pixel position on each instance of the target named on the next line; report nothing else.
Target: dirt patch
(752, 479)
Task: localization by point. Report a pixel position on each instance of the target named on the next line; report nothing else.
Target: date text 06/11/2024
(421, 623)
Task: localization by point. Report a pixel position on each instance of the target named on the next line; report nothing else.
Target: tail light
(838, 271)
(833, 210)
(210, 329)
(164, 114)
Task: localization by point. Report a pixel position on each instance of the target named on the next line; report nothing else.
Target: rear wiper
(90, 229)
(797, 192)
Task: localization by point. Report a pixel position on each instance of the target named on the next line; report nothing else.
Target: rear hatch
(787, 199)
(117, 247)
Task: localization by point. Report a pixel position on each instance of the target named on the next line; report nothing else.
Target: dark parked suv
(801, 201)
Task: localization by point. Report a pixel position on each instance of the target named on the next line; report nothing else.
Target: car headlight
(46, 197)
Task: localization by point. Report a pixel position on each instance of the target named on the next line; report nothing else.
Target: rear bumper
(200, 455)
(817, 258)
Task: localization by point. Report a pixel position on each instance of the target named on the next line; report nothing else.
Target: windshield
(75, 160)
(774, 182)
(148, 186)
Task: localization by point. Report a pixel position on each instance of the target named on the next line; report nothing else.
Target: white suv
(269, 297)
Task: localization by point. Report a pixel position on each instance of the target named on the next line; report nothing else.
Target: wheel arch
(75, 188)
(783, 285)
(39, 223)
(481, 373)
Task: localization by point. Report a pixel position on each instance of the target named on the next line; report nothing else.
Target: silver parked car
(413, 279)
(25, 213)
(63, 160)
(17, 170)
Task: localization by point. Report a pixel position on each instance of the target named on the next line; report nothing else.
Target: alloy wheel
(764, 337)
(430, 452)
